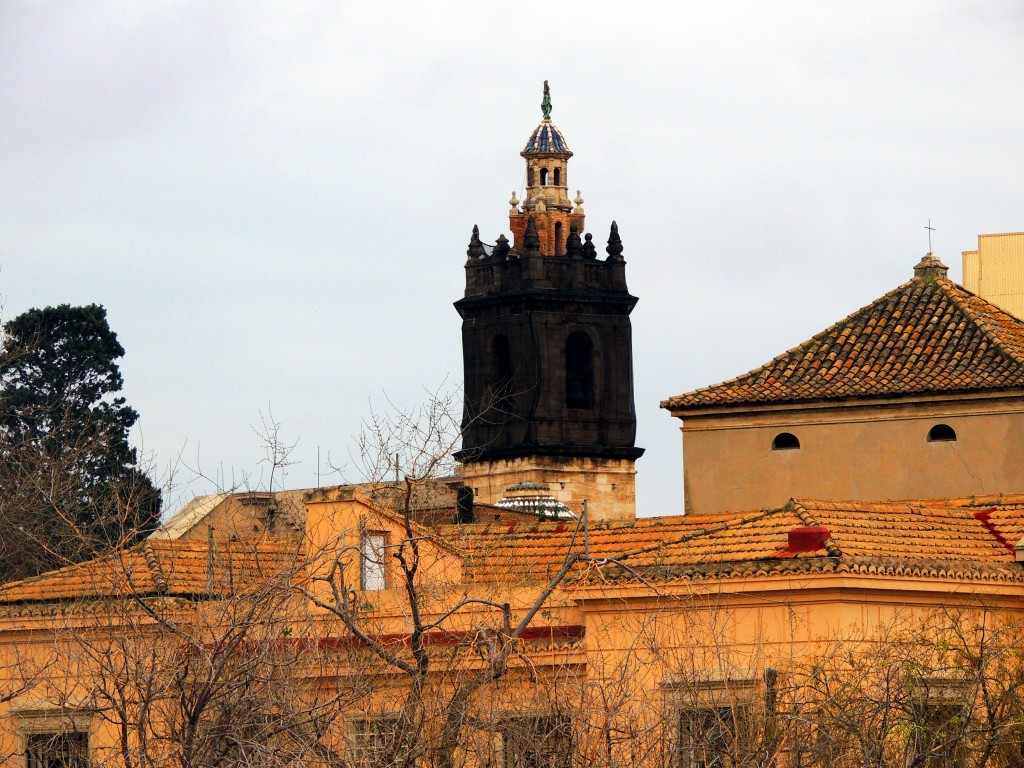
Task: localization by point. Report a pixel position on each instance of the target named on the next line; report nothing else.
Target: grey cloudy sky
(273, 200)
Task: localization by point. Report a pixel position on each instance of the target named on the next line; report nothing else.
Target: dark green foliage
(70, 485)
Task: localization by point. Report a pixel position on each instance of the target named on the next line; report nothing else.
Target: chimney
(464, 505)
(808, 539)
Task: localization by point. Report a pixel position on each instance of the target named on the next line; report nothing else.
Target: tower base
(607, 485)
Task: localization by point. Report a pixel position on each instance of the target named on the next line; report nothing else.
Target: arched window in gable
(785, 441)
(942, 433)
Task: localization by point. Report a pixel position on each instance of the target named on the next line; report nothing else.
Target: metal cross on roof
(930, 229)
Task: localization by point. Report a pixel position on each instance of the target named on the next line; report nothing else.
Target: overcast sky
(273, 200)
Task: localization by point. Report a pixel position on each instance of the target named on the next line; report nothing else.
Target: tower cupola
(547, 187)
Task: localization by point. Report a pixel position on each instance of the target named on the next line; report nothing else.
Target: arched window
(543, 177)
(529, 177)
(942, 433)
(501, 371)
(559, 240)
(558, 176)
(579, 371)
(785, 441)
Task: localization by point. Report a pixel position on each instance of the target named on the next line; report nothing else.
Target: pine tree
(70, 484)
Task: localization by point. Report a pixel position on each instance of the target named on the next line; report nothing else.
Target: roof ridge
(983, 325)
(811, 522)
(792, 350)
(702, 532)
(155, 572)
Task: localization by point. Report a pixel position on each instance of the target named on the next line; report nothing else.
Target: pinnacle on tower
(574, 246)
(614, 244)
(476, 248)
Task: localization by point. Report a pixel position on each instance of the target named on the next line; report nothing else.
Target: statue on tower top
(545, 106)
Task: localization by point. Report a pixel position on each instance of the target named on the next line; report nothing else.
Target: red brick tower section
(547, 184)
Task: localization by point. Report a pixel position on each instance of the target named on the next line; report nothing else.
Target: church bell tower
(547, 349)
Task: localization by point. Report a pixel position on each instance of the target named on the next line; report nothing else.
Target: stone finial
(573, 244)
(514, 202)
(930, 268)
(589, 249)
(476, 248)
(501, 248)
(579, 203)
(614, 248)
(545, 105)
(531, 240)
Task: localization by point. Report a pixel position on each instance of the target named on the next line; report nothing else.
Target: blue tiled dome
(546, 138)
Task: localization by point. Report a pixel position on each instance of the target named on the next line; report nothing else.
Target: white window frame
(373, 572)
(371, 735)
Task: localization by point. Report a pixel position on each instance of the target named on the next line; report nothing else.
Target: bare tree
(403, 456)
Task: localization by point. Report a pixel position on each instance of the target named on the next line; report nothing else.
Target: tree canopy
(70, 482)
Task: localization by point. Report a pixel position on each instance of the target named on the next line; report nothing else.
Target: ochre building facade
(920, 394)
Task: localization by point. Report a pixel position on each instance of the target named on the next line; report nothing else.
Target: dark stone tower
(547, 349)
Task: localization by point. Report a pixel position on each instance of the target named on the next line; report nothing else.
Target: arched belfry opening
(579, 371)
(547, 350)
(501, 372)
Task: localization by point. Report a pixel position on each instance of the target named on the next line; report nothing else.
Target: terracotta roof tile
(927, 336)
(164, 567)
(948, 534)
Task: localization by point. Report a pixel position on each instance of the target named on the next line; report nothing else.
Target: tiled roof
(953, 535)
(971, 538)
(161, 567)
(930, 335)
(546, 138)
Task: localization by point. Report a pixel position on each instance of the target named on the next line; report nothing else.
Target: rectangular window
(537, 742)
(373, 740)
(938, 731)
(374, 574)
(712, 737)
(940, 720)
(57, 750)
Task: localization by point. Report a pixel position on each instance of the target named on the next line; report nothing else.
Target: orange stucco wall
(854, 451)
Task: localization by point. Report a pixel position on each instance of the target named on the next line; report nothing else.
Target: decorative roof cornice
(859, 566)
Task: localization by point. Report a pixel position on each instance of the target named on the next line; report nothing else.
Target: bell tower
(547, 349)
